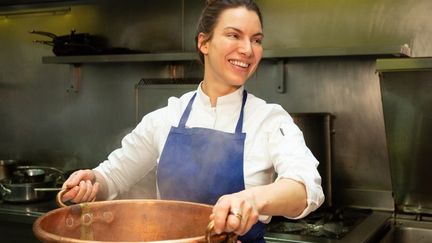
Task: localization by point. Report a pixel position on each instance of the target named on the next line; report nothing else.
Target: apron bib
(201, 165)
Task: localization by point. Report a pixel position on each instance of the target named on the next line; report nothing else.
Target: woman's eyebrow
(238, 30)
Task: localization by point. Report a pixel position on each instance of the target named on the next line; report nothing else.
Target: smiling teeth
(240, 64)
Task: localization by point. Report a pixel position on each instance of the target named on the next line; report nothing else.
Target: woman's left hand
(234, 213)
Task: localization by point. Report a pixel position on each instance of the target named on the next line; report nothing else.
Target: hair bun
(209, 2)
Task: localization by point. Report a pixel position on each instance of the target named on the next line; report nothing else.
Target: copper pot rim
(56, 238)
(127, 201)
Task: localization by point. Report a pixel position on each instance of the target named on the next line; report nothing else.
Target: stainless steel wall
(45, 121)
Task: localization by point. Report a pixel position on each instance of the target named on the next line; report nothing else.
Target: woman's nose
(245, 48)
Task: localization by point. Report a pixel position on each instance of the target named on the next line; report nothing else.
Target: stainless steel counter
(16, 220)
(24, 212)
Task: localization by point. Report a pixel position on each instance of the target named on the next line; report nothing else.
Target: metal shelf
(404, 64)
(149, 57)
(392, 50)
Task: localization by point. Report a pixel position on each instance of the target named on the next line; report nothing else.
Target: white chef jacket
(274, 145)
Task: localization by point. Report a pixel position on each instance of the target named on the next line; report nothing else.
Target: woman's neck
(215, 90)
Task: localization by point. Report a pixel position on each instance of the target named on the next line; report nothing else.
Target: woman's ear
(203, 43)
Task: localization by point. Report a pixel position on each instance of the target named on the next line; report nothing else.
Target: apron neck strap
(188, 109)
(239, 126)
(186, 113)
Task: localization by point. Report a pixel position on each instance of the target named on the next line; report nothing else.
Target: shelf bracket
(75, 78)
(280, 83)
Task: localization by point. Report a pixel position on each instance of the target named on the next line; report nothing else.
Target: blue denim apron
(201, 165)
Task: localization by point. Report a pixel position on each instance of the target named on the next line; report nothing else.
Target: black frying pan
(74, 43)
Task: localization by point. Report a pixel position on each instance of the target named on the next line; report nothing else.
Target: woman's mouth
(239, 63)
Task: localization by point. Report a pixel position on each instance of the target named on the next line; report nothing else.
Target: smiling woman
(218, 144)
(233, 52)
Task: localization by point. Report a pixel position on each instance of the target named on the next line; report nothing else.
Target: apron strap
(186, 113)
(188, 109)
(239, 127)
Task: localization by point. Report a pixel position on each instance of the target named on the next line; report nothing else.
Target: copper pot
(129, 221)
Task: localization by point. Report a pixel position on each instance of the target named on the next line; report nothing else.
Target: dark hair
(212, 11)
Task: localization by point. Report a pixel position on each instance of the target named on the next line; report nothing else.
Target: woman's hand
(234, 213)
(81, 186)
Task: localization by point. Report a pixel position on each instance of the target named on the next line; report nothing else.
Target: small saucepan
(28, 175)
(30, 184)
(26, 192)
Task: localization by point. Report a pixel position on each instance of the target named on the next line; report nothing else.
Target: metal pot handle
(51, 35)
(4, 191)
(211, 237)
(60, 194)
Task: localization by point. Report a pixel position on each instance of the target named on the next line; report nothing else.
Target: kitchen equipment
(25, 192)
(7, 166)
(74, 43)
(29, 184)
(330, 223)
(317, 132)
(406, 88)
(128, 221)
(28, 175)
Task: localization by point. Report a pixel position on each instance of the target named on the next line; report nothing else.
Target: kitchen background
(73, 116)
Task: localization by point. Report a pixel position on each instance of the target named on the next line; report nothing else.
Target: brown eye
(257, 41)
(233, 36)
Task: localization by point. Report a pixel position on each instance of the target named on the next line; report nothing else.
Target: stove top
(339, 225)
(333, 224)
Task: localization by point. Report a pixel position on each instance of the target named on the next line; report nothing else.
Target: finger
(235, 216)
(73, 179)
(243, 222)
(68, 184)
(253, 219)
(81, 193)
(89, 190)
(247, 221)
(250, 219)
(94, 191)
(220, 211)
(70, 194)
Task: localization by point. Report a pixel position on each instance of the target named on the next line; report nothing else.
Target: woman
(217, 145)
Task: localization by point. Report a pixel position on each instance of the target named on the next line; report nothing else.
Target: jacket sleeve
(136, 157)
(292, 159)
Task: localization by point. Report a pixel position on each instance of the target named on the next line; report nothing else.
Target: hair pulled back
(210, 16)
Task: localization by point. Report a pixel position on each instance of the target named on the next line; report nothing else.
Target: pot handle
(49, 43)
(211, 237)
(59, 196)
(51, 35)
(4, 191)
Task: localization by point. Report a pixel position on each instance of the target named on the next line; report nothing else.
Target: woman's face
(234, 51)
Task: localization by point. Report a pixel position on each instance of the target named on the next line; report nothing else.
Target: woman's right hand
(81, 186)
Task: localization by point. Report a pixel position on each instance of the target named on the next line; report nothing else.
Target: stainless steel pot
(27, 192)
(28, 175)
(38, 183)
